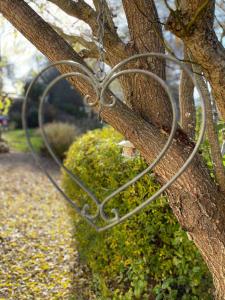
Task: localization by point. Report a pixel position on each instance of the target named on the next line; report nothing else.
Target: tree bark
(186, 100)
(145, 96)
(148, 38)
(194, 197)
(193, 23)
(84, 12)
(212, 134)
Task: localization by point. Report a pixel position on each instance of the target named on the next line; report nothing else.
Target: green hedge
(147, 255)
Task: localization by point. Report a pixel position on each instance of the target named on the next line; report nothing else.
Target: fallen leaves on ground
(38, 257)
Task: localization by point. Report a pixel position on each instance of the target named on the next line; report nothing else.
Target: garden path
(38, 257)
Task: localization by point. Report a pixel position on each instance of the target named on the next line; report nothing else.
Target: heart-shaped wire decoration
(100, 88)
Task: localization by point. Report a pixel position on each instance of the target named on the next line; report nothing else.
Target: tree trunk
(145, 96)
(193, 23)
(194, 197)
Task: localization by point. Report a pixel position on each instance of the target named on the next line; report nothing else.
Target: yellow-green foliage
(149, 253)
(60, 136)
(4, 105)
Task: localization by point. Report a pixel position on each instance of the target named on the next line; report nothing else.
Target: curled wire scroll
(100, 88)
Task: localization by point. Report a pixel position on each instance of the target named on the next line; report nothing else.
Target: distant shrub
(147, 257)
(60, 136)
(15, 114)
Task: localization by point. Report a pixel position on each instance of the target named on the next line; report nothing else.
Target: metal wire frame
(100, 89)
(100, 38)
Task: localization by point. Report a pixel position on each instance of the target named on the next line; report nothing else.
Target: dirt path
(38, 258)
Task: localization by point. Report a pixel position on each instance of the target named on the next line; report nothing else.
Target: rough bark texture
(212, 134)
(145, 38)
(193, 23)
(186, 100)
(146, 96)
(194, 198)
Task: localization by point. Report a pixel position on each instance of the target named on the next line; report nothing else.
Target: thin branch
(212, 134)
(79, 9)
(85, 12)
(168, 6)
(197, 14)
(186, 100)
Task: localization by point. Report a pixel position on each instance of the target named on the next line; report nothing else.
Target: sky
(21, 55)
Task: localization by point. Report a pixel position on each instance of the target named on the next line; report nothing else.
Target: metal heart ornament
(100, 88)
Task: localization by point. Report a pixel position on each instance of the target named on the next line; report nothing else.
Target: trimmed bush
(147, 257)
(60, 136)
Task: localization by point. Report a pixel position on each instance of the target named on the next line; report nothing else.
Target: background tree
(63, 102)
(196, 199)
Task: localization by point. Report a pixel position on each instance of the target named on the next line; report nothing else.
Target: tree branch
(81, 10)
(90, 50)
(212, 133)
(147, 37)
(197, 14)
(78, 9)
(186, 100)
(203, 44)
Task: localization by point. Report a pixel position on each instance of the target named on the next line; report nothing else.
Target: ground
(38, 257)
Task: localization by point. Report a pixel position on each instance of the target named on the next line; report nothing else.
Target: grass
(17, 140)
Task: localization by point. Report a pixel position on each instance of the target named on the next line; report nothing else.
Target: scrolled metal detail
(100, 88)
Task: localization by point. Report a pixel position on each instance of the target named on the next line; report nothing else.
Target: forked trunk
(194, 198)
